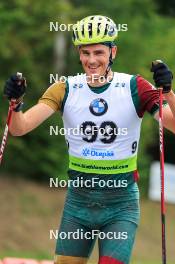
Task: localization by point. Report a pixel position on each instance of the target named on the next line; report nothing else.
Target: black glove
(162, 75)
(15, 87)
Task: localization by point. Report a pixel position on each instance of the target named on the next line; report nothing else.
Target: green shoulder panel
(65, 96)
(134, 93)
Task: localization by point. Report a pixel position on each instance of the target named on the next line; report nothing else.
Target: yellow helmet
(93, 30)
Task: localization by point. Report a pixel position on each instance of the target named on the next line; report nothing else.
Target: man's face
(95, 59)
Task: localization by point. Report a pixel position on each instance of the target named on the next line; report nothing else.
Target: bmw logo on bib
(98, 107)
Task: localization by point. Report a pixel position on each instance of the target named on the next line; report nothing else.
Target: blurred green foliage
(27, 45)
(166, 8)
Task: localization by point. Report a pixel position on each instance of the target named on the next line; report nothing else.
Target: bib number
(107, 131)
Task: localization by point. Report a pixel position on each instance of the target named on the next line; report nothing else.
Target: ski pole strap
(19, 107)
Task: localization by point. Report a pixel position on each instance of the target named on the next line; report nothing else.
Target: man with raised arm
(108, 108)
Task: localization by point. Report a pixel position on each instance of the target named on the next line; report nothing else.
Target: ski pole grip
(19, 76)
(154, 63)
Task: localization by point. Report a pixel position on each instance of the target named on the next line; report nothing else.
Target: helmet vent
(90, 30)
(83, 30)
(106, 30)
(76, 35)
(98, 28)
(73, 36)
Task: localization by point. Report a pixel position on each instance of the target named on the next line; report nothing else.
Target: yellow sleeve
(54, 95)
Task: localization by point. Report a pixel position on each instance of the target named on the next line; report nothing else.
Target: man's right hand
(15, 87)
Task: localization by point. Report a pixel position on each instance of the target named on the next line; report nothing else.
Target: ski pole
(162, 175)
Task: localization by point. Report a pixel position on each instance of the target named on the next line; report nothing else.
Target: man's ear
(114, 52)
